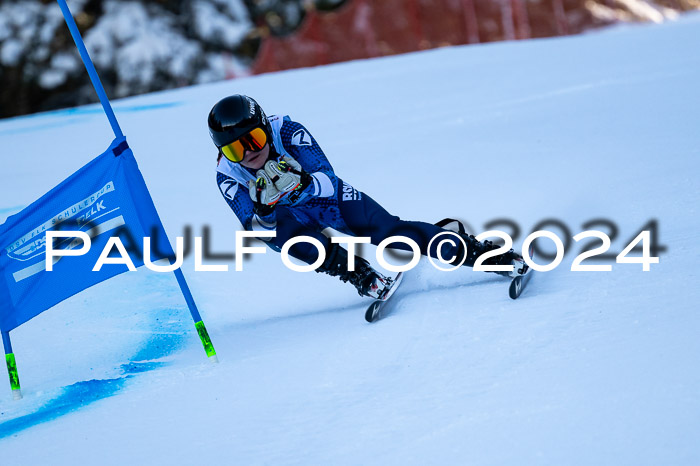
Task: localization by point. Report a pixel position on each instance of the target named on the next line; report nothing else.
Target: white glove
(263, 191)
(285, 174)
(277, 180)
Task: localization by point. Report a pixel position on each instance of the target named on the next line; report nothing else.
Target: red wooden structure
(365, 28)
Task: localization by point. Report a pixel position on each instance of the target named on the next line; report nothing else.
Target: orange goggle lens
(253, 141)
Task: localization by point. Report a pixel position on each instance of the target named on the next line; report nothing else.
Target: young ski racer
(275, 177)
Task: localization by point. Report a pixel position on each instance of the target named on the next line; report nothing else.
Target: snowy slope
(586, 368)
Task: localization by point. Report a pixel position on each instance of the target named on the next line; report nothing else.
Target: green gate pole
(11, 366)
(198, 323)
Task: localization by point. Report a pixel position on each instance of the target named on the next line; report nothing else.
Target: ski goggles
(253, 141)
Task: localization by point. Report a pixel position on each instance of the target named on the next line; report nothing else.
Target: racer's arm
(302, 146)
(238, 199)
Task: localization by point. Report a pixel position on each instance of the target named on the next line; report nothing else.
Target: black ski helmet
(234, 116)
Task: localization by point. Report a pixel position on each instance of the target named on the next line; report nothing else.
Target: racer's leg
(366, 217)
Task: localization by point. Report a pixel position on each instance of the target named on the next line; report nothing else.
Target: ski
(517, 285)
(373, 311)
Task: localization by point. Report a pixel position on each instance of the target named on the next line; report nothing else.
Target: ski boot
(476, 248)
(364, 278)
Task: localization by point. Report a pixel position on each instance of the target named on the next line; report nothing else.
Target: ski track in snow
(81, 394)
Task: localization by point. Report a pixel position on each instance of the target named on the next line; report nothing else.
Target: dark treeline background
(141, 46)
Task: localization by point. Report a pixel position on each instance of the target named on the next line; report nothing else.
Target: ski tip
(372, 311)
(516, 288)
(518, 284)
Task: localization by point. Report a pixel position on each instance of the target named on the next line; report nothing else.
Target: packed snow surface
(584, 368)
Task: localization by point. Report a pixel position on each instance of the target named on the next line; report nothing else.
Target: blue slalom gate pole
(104, 100)
(90, 67)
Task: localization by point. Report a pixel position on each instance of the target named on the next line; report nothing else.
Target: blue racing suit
(326, 202)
